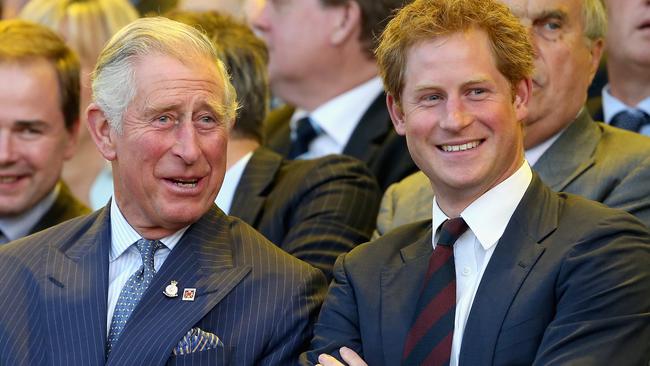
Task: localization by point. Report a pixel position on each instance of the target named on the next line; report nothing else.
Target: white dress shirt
(124, 258)
(612, 106)
(18, 226)
(230, 183)
(337, 118)
(487, 218)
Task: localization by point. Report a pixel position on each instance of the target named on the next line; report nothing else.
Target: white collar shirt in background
(230, 183)
(612, 106)
(337, 118)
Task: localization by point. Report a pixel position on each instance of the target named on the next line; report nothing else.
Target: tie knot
(147, 249)
(305, 129)
(451, 230)
(631, 120)
(305, 134)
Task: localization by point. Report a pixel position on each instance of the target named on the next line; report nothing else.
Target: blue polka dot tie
(133, 290)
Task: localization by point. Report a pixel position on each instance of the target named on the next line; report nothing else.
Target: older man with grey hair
(160, 275)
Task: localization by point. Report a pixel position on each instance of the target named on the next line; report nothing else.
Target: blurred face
(33, 139)
(461, 123)
(297, 34)
(628, 34)
(564, 64)
(169, 160)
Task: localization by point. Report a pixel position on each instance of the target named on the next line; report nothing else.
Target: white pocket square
(197, 340)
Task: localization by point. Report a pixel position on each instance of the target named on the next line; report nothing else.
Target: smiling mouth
(185, 183)
(6, 180)
(461, 147)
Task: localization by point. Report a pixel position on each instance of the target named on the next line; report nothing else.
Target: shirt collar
(347, 107)
(488, 216)
(613, 106)
(123, 235)
(230, 183)
(18, 226)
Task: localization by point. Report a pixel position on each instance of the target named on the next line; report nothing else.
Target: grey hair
(113, 80)
(594, 19)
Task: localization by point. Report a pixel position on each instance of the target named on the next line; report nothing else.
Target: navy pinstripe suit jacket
(257, 299)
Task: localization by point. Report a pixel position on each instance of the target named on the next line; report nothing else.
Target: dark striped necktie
(429, 339)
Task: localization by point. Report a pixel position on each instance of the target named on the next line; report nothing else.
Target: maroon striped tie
(429, 339)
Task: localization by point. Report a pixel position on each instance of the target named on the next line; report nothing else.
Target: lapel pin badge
(171, 290)
(189, 294)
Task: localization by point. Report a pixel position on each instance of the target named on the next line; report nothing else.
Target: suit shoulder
(585, 218)
(57, 236)
(277, 119)
(621, 144)
(387, 248)
(254, 249)
(327, 167)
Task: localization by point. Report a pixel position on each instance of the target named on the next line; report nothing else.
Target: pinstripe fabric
(373, 141)
(257, 299)
(313, 209)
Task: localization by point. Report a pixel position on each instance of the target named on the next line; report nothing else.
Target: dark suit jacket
(313, 209)
(567, 284)
(259, 300)
(373, 141)
(64, 208)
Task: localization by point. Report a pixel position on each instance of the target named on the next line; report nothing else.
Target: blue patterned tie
(133, 290)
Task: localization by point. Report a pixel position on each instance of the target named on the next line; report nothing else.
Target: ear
(73, 139)
(396, 115)
(347, 21)
(523, 92)
(596, 50)
(101, 131)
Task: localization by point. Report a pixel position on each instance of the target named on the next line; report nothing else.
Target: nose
(7, 153)
(258, 16)
(457, 117)
(187, 146)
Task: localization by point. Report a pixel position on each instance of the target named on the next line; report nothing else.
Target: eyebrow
(476, 81)
(552, 14)
(30, 123)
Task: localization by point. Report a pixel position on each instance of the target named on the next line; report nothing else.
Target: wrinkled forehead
(530, 10)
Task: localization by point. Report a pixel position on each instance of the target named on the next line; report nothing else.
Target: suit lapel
(571, 155)
(278, 129)
(202, 260)
(515, 255)
(369, 133)
(255, 185)
(75, 289)
(399, 295)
